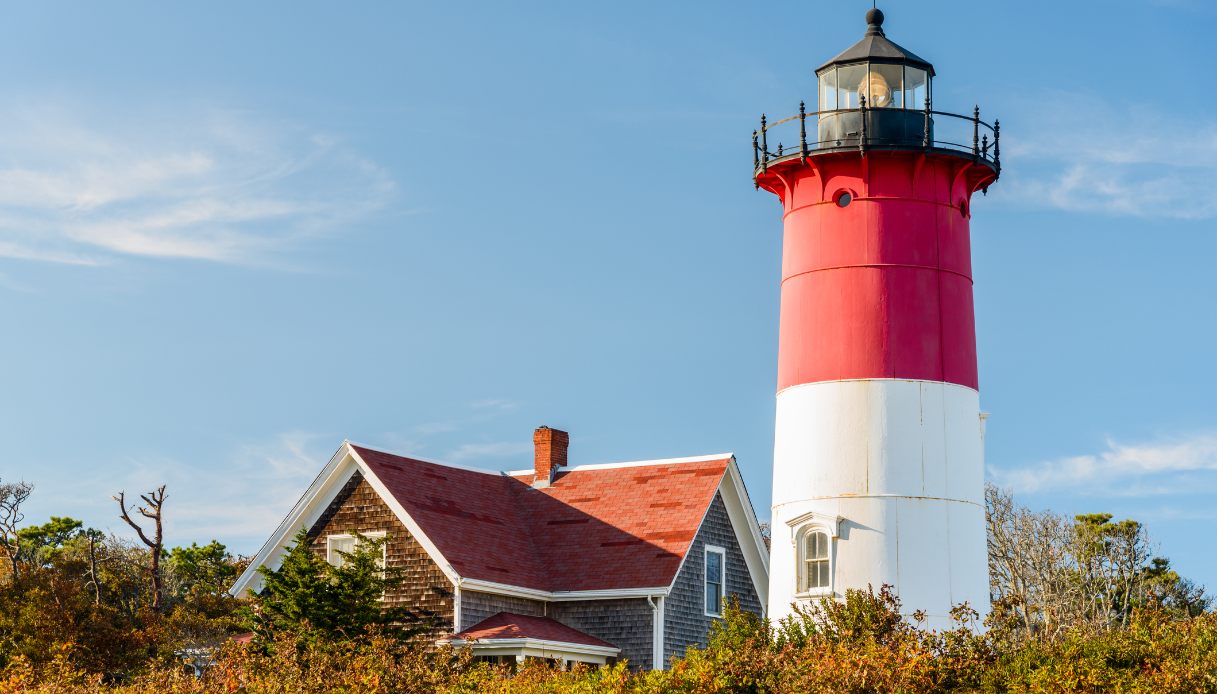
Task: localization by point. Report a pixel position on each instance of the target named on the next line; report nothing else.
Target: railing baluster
(756, 152)
(802, 130)
(984, 146)
(976, 132)
(862, 109)
(997, 146)
(925, 131)
(764, 147)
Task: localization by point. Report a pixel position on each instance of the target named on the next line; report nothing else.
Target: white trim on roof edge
(634, 463)
(534, 644)
(272, 549)
(346, 460)
(741, 515)
(478, 585)
(312, 504)
(739, 509)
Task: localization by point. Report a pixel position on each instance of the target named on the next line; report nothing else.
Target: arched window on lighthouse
(816, 562)
(814, 538)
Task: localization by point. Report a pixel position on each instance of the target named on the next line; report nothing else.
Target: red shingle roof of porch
(506, 625)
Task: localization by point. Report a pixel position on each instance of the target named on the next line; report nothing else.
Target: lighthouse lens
(883, 86)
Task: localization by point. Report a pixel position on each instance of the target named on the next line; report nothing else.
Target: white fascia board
(481, 586)
(747, 530)
(660, 461)
(558, 647)
(632, 463)
(332, 476)
(412, 526)
(315, 500)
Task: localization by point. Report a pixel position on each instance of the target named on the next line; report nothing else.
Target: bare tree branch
(12, 495)
(155, 501)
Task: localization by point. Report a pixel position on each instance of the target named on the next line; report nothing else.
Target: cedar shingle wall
(624, 623)
(425, 590)
(685, 621)
(478, 606)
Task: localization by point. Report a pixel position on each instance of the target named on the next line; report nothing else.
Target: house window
(336, 545)
(716, 570)
(815, 561)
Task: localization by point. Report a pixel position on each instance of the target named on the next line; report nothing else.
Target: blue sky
(234, 234)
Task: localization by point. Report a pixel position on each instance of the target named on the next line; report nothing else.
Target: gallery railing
(867, 128)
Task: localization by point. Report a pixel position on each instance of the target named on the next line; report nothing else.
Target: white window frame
(800, 528)
(331, 554)
(722, 578)
(801, 576)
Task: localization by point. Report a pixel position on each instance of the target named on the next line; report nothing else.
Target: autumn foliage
(859, 645)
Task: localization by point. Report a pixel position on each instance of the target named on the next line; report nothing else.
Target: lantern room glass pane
(884, 88)
(916, 87)
(849, 79)
(828, 90)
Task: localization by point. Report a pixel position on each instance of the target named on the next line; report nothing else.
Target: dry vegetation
(1080, 605)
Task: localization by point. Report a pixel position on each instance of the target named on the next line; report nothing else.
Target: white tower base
(895, 470)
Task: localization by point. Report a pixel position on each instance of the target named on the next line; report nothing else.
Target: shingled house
(593, 563)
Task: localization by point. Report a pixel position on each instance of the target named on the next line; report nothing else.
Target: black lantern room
(876, 95)
(877, 75)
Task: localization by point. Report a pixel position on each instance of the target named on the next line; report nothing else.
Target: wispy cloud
(497, 449)
(495, 404)
(1176, 466)
(85, 185)
(239, 498)
(1081, 153)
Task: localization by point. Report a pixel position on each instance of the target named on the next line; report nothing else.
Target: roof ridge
(658, 461)
(634, 463)
(454, 466)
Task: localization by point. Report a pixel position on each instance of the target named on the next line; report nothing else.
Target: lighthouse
(878, 448)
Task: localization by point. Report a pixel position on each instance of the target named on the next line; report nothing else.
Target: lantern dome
(875, 47)
(874, 73)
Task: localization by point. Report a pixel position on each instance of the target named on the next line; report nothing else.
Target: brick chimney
(549, 446)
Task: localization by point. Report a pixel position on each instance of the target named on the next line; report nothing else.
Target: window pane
(885, 86)
(334, 545)
(849, 78)
(828, 91)
(714, 567)
(914, 88)
(817, 546)
(714, 582)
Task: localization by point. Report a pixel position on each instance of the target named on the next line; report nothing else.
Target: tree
(155, 502)
(1048, 573)
(309, 596)
(38, 544)
(207, 569)
(12, 495)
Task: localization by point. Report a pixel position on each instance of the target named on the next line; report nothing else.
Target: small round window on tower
(963, 208)
(844, 198)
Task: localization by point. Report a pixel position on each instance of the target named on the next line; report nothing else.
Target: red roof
(506, 625)
(594, 528)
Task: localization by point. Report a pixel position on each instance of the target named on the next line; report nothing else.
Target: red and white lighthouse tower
(878, 455)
